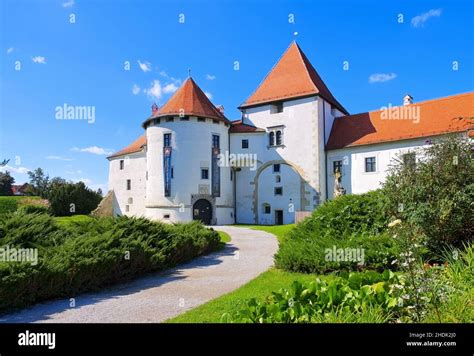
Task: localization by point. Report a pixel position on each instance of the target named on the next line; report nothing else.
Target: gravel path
(161, 296)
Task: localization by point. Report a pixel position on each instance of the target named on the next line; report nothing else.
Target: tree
(39, 183)
(68, 199)
(6, 181)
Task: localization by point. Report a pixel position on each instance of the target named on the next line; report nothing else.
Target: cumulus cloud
(94, 150)
(210, 77)
(381, 77)
(170, 88)
(18, 170)
(39, 59)
(144, 66)
(59, 158)
(155, 91)
(419, 21)
(69, 3)
(135, 89)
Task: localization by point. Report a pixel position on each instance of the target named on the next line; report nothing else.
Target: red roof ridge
(134, 147)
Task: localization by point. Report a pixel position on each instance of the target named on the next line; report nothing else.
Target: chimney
(220, 108)
(407, 99)
(154, 109)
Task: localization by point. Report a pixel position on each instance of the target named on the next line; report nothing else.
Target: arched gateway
(202, 210)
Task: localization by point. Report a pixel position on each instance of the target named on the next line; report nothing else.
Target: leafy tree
(6, 181)
(68, 198)
(39, 183)
(436, 194)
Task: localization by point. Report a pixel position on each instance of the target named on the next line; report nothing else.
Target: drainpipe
(325, 152)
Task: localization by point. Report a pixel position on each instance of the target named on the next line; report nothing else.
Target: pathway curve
(158, 297)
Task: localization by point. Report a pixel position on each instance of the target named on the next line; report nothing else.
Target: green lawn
(278, 230)
(9, 204)
(68, 220)
(260, 287)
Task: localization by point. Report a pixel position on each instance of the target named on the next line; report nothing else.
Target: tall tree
(6, 181)
(39, 182)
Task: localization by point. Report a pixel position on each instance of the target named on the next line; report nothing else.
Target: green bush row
(87, 255)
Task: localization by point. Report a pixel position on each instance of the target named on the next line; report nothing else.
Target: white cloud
(208, 94)
(135, 89)
(170, 88)
(18, 170)
(94, 150)
(74, 172)
(419, 21)
(155, 91)
(59, 158)
(210, 77)
(381, 77)
(144, 66)
(10, 50)
(86, 181)
(39, 59)
(164, 74)
(69, 3)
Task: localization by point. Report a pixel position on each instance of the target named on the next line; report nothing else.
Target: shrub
(367, 296)
(348, 222)
(437, 194)
(8, 204)
(90, 254)
(32, 209)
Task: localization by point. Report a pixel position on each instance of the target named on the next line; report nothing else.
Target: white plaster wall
(354, 178)
(191, 149)
(135, 166)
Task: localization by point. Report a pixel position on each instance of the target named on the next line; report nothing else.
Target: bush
(368, 296)
(437, 194)
(348, 222)
(90, 254)
(34, 209)
(68, 199)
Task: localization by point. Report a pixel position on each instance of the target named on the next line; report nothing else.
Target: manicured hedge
(351, 221)
(88, 255)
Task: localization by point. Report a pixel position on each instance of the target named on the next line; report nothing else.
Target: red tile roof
(436, 117)
(292, 77)
(189, 100)
(135, 146)
(238, 126)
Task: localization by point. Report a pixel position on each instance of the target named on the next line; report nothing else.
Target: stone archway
(211, 202)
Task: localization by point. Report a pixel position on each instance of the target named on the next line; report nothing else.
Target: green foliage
(68, 199)
(368, 296)
(352, 221)
(8, 204)
(6, 181)
(89, 254)
(437, 194)
(32, 209)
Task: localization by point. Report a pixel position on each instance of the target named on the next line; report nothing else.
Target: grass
(260, 287)
(279, 231)
(9, 204)
(225, 238)
(69, 220)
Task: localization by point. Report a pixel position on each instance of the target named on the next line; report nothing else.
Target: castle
(294, 147)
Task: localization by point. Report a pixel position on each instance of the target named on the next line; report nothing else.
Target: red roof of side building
(135, 146)
(190, 100)
(436, 117)
(292, 77)
(238, 126)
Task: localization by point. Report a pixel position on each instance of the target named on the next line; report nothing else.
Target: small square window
(127, 208)
(201, 119)
(245, 143)
(276, 168)
(370, 164)
(277, 108)
(267, 209)
(204, 173)
(122, 163)
(129, 184)
(166, 216)
(169, 119)
(130, 200)
(337, 166)
(278, 190)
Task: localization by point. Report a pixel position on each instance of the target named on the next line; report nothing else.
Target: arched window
(278, 179)
(278, 138)
(272, 138)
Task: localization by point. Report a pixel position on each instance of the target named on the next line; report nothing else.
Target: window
(277, 108)
(169, 119)
(121, 164)
(215, 141)
(184, 118)
(215, 122)
(370, 164)
(166, 216)
(204, 173)
(167, 140)
(201, 119)
(278, 190)
(276, 168)
(278, 179)
(245, 143)
(231, 174)
(271, 138)
(172, 172)
(337, 166)
(409, 159)
(127, 208)
(278, 138)
(130, 200)
(129, 184)
(267, 209)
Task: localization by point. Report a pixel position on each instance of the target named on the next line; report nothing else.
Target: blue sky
(83, 64)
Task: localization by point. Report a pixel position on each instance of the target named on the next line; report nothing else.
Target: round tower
(186, 180)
